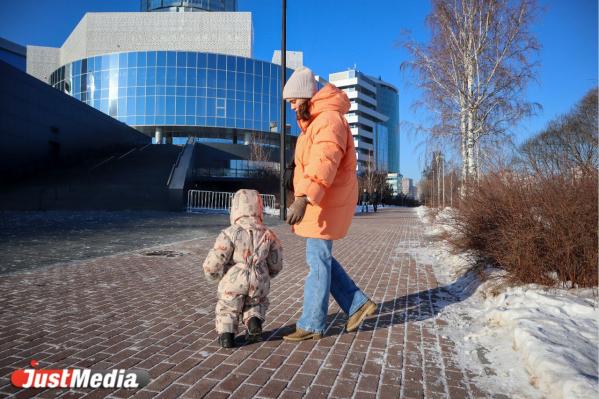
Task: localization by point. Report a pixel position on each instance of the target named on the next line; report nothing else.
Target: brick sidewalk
(155, 312)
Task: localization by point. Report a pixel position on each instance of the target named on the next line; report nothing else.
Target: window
(190, 105)
(191, 80)
(211, 78)
(201, 106)
(230, 63)
(180, 105)
(171, 76)
(151, 58)
(160, 105)
(201, 63)
(221, 62)
(141, 76)
(161, 58)
(130, 105)
(210, 107)
(150, 105)
(201, 82)
(212, 61)
(191, 60)
(140, 106)
(141, 59)
(160, 76)
(181, 72)
(151, 76)
(240, 65)
(220, 107)
(171, 59)
(221, 79)
(181, 59)
(240, 81)
(170, 106)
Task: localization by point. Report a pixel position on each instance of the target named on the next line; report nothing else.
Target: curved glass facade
(170, 88)
(381, 147)
(388, 104)
(189, 5)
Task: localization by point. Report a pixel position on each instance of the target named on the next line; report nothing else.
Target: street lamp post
(282, 124)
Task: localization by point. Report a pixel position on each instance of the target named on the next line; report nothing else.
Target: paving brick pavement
(156, 312)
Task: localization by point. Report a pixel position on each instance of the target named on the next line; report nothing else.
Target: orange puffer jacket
(325, 167)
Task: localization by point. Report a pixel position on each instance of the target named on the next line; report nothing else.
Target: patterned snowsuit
(244, 258)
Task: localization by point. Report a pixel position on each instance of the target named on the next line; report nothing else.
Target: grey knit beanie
(301, 84)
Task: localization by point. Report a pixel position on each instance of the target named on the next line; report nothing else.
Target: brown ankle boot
(368, 309)
(301, 335)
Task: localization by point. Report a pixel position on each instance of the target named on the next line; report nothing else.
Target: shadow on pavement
(422, 305)
(419, 306)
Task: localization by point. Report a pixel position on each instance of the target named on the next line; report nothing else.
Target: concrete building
(373, 118)
(178, 69)
(295, 59)
(365, 122)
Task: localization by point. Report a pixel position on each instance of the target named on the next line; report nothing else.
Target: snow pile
(512, 337)
(555, 333)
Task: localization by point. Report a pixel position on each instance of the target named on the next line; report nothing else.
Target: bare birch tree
(569, 143)
(474, 71)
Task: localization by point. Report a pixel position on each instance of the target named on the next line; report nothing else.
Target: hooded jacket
(247, 242)
(325, 167)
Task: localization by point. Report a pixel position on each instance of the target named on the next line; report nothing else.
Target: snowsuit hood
(246, 208)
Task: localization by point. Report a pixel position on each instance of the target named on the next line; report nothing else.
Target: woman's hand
(297, 210)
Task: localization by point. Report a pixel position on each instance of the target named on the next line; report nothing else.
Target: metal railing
(200, 200)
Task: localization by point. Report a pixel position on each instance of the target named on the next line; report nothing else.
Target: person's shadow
(412, 307)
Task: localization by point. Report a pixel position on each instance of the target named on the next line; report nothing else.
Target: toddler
(244, 258)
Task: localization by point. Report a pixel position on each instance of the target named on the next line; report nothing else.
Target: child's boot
(227, 340)
(254, 332)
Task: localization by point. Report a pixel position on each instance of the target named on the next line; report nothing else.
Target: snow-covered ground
(521, 342)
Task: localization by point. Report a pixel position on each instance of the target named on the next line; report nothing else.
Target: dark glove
(297, 210)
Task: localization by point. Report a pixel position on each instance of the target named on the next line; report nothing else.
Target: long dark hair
(303, 111)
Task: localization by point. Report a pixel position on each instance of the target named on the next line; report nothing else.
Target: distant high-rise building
(407, 187)
(394, 180)
(387, 103)
(373, 118)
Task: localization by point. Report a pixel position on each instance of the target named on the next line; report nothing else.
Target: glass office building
(176, 75)
(182, 94)
(388, 104)
(381, 147)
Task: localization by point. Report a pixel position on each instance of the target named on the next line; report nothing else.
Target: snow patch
(527, 341)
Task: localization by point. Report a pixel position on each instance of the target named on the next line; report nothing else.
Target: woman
(326, 190)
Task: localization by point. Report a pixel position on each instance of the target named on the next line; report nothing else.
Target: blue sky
(335, 35)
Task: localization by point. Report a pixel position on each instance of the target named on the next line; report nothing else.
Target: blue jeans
(364, 206)
(326, 275)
